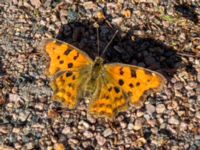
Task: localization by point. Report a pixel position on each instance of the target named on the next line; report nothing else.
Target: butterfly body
(93, 76)
(112, 88)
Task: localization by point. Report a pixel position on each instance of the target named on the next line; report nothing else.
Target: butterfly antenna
(96, 25)
(109, 42)
(98, 41)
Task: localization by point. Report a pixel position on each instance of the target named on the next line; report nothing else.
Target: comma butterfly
(112, 87)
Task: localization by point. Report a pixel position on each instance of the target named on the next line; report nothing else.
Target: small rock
(86, 144)
(39, 106)
(183, 126)
(29, 145)
(160, 108)
(36, 3)
(130, 126)
(150, 108)
(4, 147)
(197, 115)
(73, 141)
(90, 5)
(88, 134)
(91, 119)
(138, 123)
(15, 2)
(66, 130)
(100, 140)
(107, 132)
(117, 21)
(85, 124)
(123, 125)
(14, 98)
(23, 116)
(173, 120)
(178, 85)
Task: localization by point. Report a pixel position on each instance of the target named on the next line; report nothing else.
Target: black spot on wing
(121, 71)
(138, 84)
(108, 106)
(68, 74)
(117, 89)
(58, 57)
(61, 62)
(121, 82)
(133, 73)
(68, 94)
(107, 97)
(74, 77)
(76, 57)
(131, 85)
(67, 52)
(70, 65)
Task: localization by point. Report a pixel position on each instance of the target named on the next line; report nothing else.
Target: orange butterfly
(111, 87)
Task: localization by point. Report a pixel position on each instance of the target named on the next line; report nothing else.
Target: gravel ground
(156, 34)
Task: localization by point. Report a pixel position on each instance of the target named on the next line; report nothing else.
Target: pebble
(14, 98)
(160, 108)
(130, 126)
(117, 21)
(107, 132)
(73, 141)
(84, 124)
(88, 134)
(90, 5)
(66, 130)
(100, 140)
(150, 108)
(29, 146)
(123, 125)
(178, 85)
(173, 120)
(36, 3)
(197, 115)
(138, 123)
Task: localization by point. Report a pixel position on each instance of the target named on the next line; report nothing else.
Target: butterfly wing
(64, 56)
(69, 68)
(136, 82)
(109, 100)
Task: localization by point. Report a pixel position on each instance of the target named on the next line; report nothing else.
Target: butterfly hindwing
(69, 67)
(66, 88)
(110, 100)
(135, 81)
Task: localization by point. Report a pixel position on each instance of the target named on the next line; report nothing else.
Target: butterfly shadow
(125, 48)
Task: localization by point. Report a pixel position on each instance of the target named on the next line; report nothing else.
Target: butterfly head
(98, 61)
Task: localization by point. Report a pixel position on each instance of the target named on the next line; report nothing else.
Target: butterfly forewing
(69, 67)
(64, 56)
(135, 81)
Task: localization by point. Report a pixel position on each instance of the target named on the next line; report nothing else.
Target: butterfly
(111, 88)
